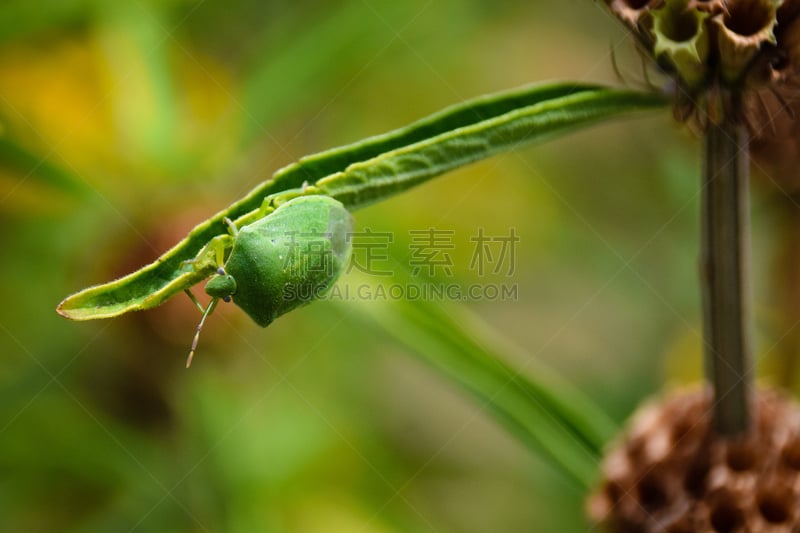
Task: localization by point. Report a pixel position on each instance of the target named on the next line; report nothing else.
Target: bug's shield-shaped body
(290, 257)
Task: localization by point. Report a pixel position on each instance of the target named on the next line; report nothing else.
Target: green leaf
(540, 408)
(369, 171)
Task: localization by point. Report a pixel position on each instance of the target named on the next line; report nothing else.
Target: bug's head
(221, 285)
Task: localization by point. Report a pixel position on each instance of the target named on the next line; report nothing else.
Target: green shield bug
(282, 261)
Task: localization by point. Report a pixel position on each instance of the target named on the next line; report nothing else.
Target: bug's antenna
(208, 311)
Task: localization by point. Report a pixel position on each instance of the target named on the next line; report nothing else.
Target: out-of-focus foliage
(125, 123)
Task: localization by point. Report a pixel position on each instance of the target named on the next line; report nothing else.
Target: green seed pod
(282, 261)
(681, 39)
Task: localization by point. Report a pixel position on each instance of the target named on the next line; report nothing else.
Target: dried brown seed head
(744, 35)
(671, 473)
(734, 59)
(631, 11)
(743, 31)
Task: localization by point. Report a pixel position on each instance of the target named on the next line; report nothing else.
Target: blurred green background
(126, 123)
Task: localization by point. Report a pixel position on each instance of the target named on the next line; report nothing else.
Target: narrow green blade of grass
(542, 410)
(30, 165)
(282, 69)
(372, 170)
(22, 17)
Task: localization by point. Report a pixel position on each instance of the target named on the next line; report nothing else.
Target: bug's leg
(267, 206)
(194, 300)
(213, 253)
(220, 257)
(207, 312)
(219, 246)
(207, 259)
(231, 226)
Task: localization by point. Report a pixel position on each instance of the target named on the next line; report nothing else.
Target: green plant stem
(725, 275)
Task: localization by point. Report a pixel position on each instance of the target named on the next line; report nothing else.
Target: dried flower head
(671, 473)
(738, 59)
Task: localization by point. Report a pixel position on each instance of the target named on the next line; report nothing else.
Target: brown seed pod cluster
(672, 474)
